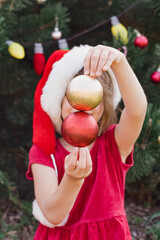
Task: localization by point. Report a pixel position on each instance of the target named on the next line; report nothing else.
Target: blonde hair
(109, 115)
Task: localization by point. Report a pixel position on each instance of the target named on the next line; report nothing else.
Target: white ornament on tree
(56, 34)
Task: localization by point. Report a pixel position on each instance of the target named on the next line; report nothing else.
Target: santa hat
(61, 67)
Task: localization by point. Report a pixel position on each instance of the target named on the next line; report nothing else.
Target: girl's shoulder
(37, 155)
(108, 143)
(108, 134)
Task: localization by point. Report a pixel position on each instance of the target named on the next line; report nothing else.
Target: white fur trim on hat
(37, 213)
(61, 74)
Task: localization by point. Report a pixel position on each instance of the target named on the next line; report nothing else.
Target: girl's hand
(100, 58)
(78, 168)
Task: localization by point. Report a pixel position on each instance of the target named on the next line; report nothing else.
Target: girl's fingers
(82, 161)
(91, 60)
(79, 168)
(95, 61)
(102, 61)
(88, 161)
(99, 59)
(87, 62)
(108, 62)
(71, 159)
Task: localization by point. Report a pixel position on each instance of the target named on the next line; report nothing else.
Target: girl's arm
(132, 117)
(56, 201)
(99, 59)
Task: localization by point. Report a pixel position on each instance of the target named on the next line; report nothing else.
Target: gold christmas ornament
(84, 93)
(158, 139)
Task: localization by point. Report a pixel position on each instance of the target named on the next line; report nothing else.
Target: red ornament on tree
(155, 76)
(79, 129)
(38, 58)
(141, 40)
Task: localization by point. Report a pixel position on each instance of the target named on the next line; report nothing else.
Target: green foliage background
(27, 22)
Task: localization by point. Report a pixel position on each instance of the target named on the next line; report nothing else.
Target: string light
(83, 32)
(118, 30)
(38, 58)
(15, 49)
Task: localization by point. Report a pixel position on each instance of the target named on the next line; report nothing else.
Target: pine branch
(146, 135)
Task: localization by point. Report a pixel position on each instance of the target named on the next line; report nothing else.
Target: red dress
(98, 212)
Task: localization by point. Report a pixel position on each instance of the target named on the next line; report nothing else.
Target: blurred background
(29, 32)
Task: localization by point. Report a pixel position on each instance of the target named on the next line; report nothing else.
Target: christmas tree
(40, 27)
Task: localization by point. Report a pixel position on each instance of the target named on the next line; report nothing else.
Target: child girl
(80, 191)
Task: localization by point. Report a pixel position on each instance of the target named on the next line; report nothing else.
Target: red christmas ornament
(38, 58)
(141, 41)
(155, 76)
(79, 129)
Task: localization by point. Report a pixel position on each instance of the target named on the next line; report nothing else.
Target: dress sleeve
(36, 155)
(110, 140)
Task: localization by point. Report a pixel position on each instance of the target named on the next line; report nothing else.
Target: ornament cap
(56, 29)
(114, 20)
(62, 44)
(9, 42)
(158, 69)
(38, 48)
(138, 34)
